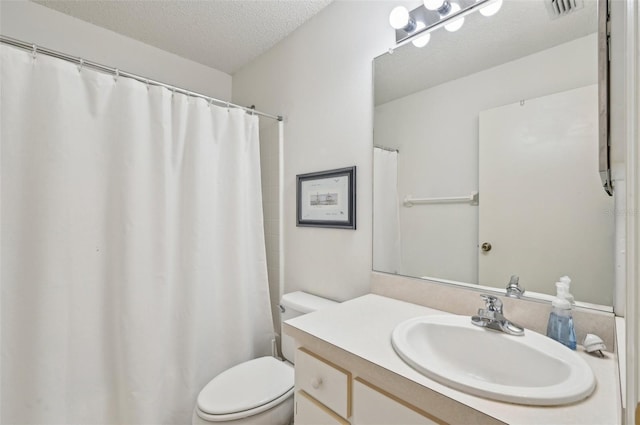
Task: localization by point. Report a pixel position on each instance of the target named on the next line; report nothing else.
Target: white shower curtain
(387, 255)
(133, 259)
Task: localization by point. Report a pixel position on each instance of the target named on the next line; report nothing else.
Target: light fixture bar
(427, 21)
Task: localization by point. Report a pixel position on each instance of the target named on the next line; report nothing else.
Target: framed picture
(327, 199)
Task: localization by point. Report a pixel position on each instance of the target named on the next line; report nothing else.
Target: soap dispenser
(560, 326)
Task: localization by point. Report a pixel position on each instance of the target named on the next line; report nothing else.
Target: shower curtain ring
(147, 83)
(80, 64)
(34, 51)
(228, 103)
(209, 103)
(116, 75)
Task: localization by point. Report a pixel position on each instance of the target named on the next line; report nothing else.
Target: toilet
(258, 391)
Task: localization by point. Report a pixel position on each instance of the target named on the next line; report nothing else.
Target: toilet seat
(246, 389)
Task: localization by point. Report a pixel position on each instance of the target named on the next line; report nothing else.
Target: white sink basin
(530, 369)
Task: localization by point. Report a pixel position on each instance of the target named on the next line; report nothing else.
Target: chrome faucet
(491, 317)
(514, 290)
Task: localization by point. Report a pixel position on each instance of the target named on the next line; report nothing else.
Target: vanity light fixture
(417, 25)
(437, 5)
(400, 19)
(457, 23)
(491, 9)
(422, 40)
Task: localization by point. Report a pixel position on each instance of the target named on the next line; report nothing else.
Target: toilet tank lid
(304, 302)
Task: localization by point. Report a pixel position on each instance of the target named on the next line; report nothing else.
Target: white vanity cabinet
(323, 390)
(372, 407)
(347, 372)
(328, 394)
(309, 411)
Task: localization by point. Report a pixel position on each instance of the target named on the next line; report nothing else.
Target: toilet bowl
(259, 391)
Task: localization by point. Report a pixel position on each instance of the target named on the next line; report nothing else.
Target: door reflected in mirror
(489, 137)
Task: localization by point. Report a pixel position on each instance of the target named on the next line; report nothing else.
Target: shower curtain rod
(115, 71)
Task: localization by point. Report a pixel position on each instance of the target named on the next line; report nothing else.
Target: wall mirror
(486, 155)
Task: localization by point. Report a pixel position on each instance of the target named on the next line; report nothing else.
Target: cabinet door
(372, 407)
(310, 411)
(324, 381)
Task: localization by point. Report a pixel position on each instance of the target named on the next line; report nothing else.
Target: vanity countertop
(362, 327)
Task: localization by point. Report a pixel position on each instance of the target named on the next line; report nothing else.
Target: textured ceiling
(222, 34)
(520, 28)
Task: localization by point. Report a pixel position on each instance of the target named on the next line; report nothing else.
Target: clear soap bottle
(560, 326)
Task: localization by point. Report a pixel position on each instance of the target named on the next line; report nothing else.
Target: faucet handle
(514, 289)
(492, 303)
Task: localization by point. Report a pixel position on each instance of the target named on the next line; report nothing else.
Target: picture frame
(327, 199)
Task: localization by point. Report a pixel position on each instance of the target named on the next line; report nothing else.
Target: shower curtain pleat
(387, 254)
(133, 264)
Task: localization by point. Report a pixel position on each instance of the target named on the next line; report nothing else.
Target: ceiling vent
(559, 8)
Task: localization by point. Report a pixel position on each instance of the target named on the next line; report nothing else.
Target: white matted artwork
(327, 198)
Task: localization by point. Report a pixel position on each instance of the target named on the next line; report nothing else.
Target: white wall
(636, 215)
(320, 79)
(436, 131)
(625, 17)
(33, 23)
(617, 134)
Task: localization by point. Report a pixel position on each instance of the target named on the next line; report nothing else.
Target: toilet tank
(295, 304)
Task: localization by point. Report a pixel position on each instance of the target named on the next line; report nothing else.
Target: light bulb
(491, 9)
(399, 17)
(433, 4)
(422, 40)
(457, 23)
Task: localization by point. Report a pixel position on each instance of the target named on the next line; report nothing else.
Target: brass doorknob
(486, 247)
